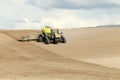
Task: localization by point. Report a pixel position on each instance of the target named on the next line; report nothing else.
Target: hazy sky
(18, 14)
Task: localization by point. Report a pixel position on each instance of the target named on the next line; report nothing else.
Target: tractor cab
(55, 32)
(49, 35)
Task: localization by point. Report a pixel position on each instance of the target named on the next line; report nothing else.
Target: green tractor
(50, 35)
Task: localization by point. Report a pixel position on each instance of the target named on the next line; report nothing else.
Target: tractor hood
(57, 35)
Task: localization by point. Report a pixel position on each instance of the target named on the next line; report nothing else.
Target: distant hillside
(109, 25)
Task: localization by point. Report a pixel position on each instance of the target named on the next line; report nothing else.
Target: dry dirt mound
(37, 61)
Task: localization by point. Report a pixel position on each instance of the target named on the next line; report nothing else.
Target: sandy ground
(96, 45)
(84, 57)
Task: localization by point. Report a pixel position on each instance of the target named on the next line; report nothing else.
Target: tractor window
(55, 31)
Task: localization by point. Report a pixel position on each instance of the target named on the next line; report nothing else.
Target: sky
(35, 14)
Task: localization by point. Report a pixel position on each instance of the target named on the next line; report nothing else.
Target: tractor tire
(54, 40)
(46, 40)
(63, 39)
(40, 39)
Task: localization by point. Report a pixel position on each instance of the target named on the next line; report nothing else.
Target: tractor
(51, 35)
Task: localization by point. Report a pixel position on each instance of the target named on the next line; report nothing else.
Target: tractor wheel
(54, 40)
(40, 39)
(46, 40)
(63, 39)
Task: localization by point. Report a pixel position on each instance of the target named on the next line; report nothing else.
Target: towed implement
(27, 38)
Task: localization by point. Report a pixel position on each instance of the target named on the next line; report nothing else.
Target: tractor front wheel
(63, 39)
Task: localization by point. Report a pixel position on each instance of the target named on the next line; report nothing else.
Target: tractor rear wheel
(40, 39)
(46, 40)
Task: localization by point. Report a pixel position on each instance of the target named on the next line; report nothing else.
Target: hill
(37, 61)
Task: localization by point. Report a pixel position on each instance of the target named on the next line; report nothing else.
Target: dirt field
(89, 54)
